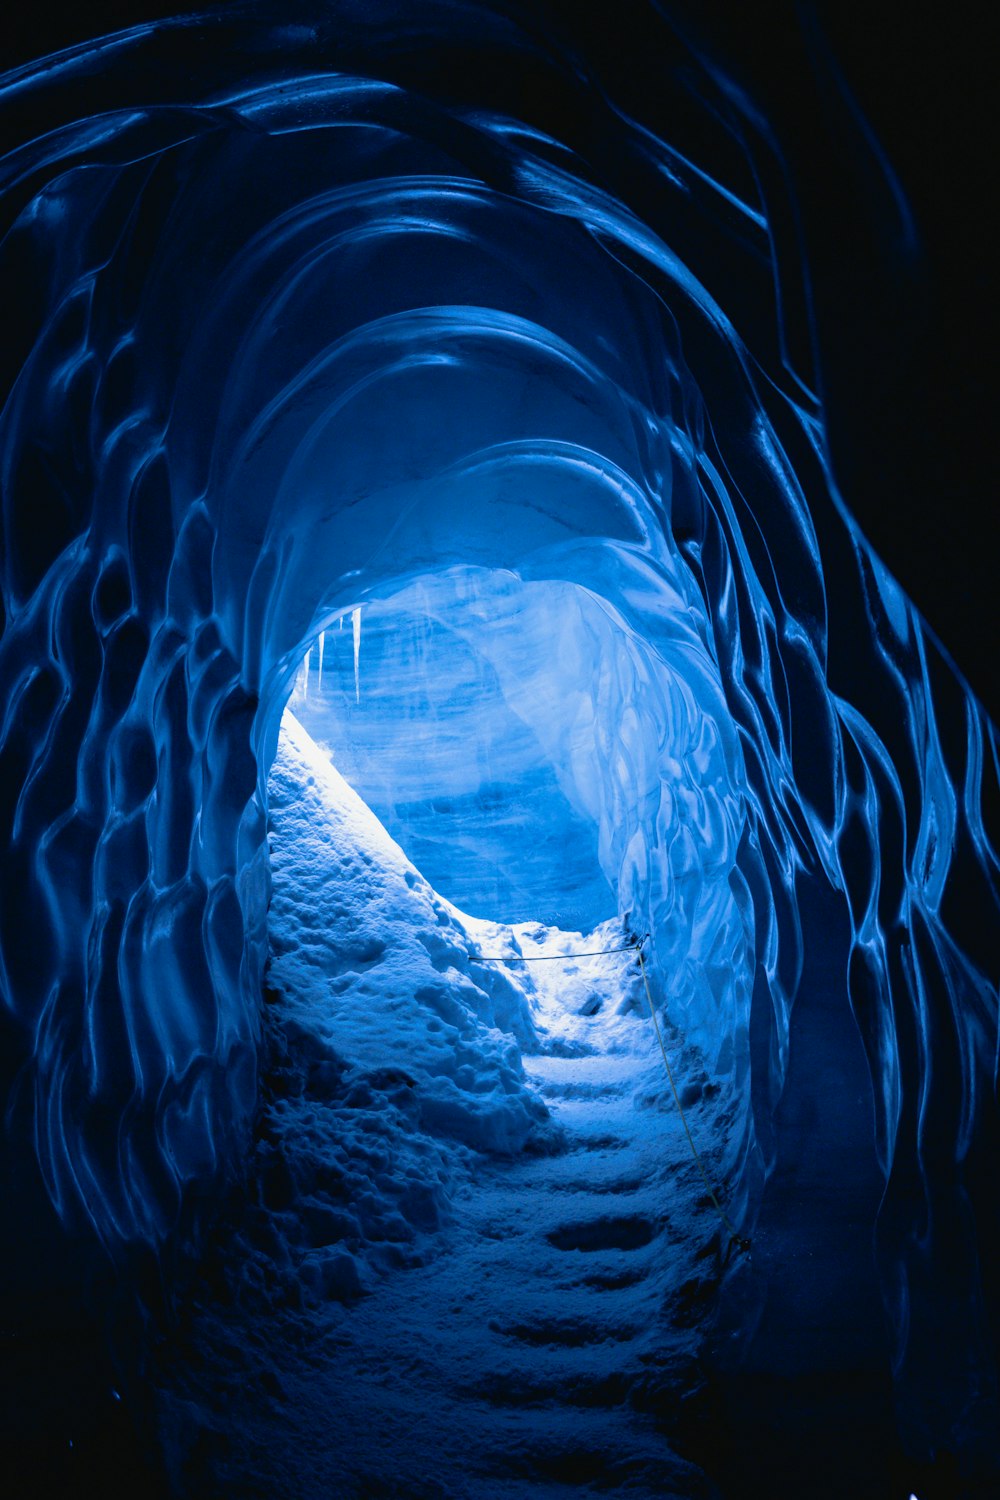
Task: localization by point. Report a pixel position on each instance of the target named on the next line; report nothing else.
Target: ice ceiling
(299, 324)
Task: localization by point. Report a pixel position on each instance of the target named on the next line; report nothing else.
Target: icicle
(356, 622)
(319, 684)
(305, 678)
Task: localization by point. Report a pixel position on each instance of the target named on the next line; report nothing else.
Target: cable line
(541, 958)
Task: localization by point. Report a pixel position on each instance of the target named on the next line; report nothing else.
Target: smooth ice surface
(470, 731)
(476, 1254)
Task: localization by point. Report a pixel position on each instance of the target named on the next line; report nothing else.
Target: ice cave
(499, 770)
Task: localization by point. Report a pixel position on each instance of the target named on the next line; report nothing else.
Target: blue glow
(294, 348)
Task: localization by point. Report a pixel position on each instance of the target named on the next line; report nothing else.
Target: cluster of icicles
(302, 681)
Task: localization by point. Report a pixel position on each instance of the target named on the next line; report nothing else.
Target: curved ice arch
(157, 588)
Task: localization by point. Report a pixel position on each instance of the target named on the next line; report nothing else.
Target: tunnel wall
(275, 308)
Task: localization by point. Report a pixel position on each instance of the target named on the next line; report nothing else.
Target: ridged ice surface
(293, 329)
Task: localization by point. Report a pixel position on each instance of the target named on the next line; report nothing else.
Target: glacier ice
(298, 327)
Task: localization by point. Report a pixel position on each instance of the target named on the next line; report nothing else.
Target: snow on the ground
(475, 1252)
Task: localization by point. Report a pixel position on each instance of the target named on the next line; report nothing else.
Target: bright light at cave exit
(540, 760)
(462, 709)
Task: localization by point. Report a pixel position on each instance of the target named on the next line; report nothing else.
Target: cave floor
(538, 1353)
(531, 1330)
(542, 1349)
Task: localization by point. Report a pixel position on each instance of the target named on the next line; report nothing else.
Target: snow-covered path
(535, 1354)
(514, 1307)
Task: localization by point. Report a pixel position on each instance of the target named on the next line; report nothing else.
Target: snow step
(610, 1232)
(598, 1141)
(616, 1068)
(527, 1390)
(583, 1078)
(567, 1333)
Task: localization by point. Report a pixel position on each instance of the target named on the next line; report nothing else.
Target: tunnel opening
(462, 710)
(476, 1168)
(540, 759)
(556, 781)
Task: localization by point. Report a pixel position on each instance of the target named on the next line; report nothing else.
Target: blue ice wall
(461, 711)
(300, 318)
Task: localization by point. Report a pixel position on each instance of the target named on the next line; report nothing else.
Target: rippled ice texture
(296, 322)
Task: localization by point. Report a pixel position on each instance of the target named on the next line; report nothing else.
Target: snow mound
(393, 1054)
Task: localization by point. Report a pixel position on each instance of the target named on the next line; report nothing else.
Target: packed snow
(474, 1255)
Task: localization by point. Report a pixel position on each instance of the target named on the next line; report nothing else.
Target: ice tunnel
(440, 367)
(488, 778)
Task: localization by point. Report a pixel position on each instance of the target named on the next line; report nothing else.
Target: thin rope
(734, 1238)
(541, 958)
